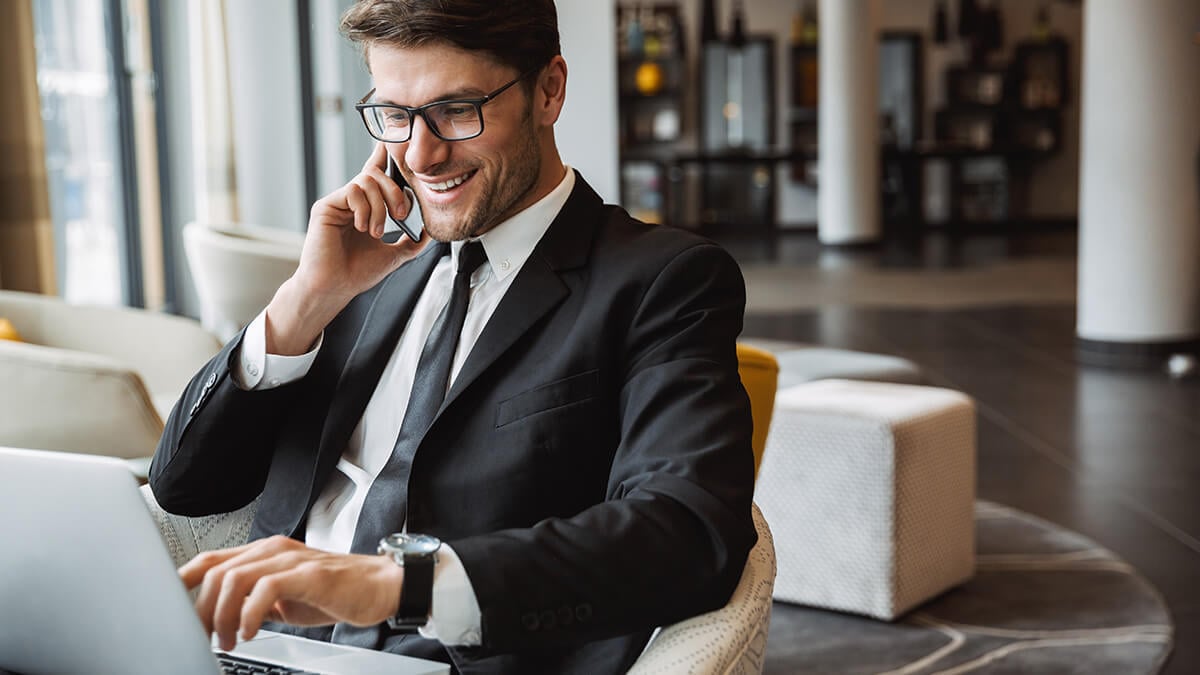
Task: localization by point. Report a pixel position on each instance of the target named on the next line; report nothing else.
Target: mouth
(452, 183)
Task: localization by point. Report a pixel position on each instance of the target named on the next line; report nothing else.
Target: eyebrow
(452, 95)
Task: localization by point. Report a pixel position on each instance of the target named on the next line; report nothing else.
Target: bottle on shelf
(1041, 23)
(737, 36)
(797, 32)
(652, 42)
(708, 22)
(811, 31)
(635, 37)
(941, 23)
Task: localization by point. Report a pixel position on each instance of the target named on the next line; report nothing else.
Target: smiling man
(517, 445)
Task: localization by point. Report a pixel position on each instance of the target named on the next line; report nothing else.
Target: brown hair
(518, 33)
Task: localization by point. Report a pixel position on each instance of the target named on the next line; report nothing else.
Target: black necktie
(386, 505)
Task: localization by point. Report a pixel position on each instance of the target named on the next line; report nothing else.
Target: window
(84, 157)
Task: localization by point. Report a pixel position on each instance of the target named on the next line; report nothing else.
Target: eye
(457, 111)
(396, 118)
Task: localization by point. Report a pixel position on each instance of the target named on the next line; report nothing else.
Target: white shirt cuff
(455, 618)
(258, 371)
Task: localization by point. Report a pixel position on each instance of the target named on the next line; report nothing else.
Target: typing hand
(280, 579)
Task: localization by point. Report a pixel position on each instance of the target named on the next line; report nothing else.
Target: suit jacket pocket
(558, 394)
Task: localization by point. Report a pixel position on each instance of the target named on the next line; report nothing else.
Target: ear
(550, 92)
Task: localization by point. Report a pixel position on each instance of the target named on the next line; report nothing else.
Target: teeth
(453, 182)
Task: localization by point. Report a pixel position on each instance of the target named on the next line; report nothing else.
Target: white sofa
(96, 380)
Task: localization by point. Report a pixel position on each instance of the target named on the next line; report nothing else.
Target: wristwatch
(417, 554)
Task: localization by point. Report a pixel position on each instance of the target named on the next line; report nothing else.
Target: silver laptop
(87, 585)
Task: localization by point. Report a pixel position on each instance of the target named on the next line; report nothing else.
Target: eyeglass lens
(450, 120)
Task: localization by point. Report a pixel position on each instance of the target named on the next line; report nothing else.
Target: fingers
(364, 195)
(193, 572)
(226, 576)
(279, 578)
(264, 581)
(367, 200)
(280, 596)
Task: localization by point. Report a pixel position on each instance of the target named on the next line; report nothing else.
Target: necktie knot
(471, 256)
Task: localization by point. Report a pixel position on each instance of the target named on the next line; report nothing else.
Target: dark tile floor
(1112, 454)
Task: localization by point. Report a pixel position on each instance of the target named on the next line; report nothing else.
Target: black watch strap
(416, 595)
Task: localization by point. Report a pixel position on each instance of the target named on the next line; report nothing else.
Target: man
(587, 463)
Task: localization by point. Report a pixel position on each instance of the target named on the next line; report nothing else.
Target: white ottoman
(869, 488)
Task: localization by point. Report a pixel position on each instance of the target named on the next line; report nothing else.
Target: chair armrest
(732, 639)
(58, 399)
(166, 351)
(185, 536)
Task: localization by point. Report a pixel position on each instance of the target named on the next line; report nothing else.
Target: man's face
(464, 187)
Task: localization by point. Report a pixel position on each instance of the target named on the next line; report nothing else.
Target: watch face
(412, 543)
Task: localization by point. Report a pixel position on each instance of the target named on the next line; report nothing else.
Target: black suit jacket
(591, 464)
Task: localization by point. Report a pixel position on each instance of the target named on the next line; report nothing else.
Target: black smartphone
(412, 225)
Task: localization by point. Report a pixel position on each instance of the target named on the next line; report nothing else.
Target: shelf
(660, 96)
(673, 155)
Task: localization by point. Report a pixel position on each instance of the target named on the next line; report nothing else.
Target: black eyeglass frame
(363, 107)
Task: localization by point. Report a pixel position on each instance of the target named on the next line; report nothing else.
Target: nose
(424, 149)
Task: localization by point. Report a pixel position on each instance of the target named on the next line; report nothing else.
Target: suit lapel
(381, 329)
(538, 287)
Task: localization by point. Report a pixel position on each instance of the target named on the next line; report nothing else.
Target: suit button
(565, 616)
(548, 620)
(530, 621)
(583, 612)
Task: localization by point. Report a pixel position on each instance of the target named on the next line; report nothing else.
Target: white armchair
(96, 380)
(731, 640)
(236, 269)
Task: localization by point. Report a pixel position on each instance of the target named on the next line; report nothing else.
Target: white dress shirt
(455, 617)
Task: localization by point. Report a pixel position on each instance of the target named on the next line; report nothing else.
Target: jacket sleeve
(672, 537)
(217, 444)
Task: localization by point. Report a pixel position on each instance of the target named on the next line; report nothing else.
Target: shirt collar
(509, 244)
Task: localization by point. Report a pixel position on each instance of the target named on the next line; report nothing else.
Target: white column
(848, 129)
(587, 129)
(1139, 210)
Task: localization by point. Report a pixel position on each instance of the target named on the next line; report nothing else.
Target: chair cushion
(819, 363)
(800, 362)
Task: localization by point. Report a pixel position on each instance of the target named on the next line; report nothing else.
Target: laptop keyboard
(236, 665)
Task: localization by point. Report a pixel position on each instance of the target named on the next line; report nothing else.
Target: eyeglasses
(453, 120)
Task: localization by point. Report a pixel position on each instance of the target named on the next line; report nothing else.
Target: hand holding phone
(413, 225)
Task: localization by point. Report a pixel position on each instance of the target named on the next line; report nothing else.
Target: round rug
(1043, 600)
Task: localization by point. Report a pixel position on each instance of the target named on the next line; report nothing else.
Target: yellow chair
(760, 374)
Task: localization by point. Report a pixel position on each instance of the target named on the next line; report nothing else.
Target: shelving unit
(652, 74)
(1001, 118)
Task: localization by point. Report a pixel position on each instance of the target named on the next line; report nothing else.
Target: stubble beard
(499, 195)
